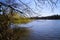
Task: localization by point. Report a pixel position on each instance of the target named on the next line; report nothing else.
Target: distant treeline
(47, 17)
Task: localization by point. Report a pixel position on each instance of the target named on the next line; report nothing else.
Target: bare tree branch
(10, 7)
(28, 8)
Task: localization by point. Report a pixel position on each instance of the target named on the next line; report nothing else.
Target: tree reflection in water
(16, 33)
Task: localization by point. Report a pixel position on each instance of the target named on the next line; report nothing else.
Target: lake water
(44, 29)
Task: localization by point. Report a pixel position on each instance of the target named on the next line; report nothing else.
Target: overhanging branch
(10, 7)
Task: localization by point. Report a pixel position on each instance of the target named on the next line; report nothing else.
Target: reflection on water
(43, 30)
(15, 33)
(21, 33)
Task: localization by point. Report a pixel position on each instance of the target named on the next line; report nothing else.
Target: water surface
(44, 29)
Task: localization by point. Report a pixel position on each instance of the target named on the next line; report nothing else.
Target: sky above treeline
(46, 9)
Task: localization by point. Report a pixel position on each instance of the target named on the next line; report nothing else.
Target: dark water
(44, 30)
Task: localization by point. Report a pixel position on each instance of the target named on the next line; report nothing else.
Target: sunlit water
(44, 29)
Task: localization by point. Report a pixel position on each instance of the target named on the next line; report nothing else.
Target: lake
(44, 29)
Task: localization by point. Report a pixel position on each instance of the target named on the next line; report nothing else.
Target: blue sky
(45, 11)
(46, 8)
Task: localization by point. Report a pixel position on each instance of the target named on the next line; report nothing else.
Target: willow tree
(10, 7)
(6, 33)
